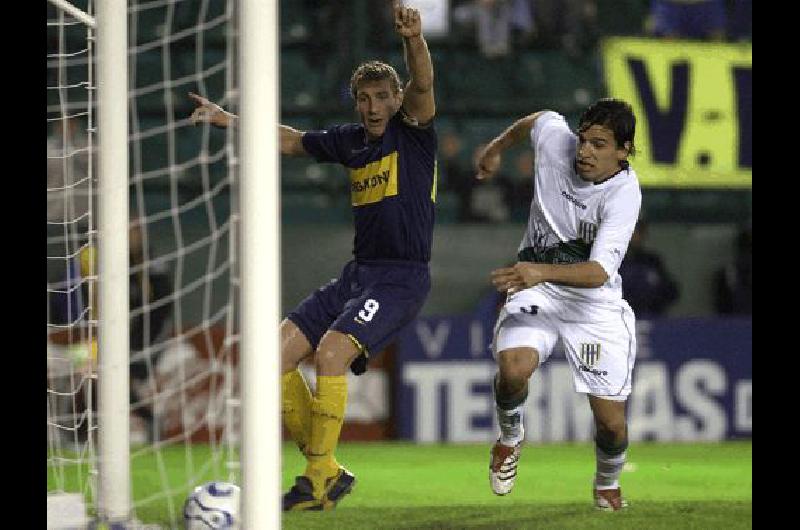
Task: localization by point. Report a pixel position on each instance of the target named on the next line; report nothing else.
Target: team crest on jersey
(590, 354)
(587, 231)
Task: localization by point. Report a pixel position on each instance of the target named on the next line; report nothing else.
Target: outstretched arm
(488, 161)
(208, 112)
(418, 100)
(291, 140)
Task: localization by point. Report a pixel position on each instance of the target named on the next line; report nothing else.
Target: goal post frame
(84, 17)
(258, 196)
(114, 463)
(259, 201)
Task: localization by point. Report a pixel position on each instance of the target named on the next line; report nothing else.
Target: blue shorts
(371, 302)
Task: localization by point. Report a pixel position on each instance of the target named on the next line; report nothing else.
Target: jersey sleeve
(327, 145)
(618, 217)
(423, 136)
(552, 139)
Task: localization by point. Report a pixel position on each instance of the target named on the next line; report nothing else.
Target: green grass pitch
(402, 485)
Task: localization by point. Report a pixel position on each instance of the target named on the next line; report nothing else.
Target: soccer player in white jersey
(565, 286)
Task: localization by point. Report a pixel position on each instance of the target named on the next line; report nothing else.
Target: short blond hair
(374, 71)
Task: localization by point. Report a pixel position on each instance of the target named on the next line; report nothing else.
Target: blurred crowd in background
(494, 61)
(499, 59)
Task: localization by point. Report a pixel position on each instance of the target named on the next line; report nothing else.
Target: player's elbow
(425, 116)
(530, 119)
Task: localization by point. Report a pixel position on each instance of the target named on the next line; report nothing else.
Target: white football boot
(503, 467)
(609, 500)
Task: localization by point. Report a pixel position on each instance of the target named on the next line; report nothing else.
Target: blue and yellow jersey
(392, 185)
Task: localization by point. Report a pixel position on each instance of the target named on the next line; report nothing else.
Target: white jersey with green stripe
(572, 220)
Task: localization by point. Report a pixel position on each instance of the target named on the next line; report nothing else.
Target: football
(212, 505)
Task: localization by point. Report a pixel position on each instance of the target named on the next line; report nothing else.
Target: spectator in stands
(622, 17)
(733, 283)
(491, 198)
(150, 310)
(67, 169)
(646, 284)
(67, 207)
(477, 201)
(456, 175)
(496, 23)
(567, 24)
(688, 19)
(522, 192)
(329, 51)
(67, 291)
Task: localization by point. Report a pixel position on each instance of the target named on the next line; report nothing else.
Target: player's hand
(208, 112)
(407, 21)
(487, 164)
(507, 280)
(518, 277)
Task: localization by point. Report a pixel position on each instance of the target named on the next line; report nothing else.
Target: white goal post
(121, 173)
(260, 240)
(114, 466)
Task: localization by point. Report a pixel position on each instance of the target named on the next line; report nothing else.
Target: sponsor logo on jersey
(375, 181)
(590, 356)
(587, 231)
(573, 200)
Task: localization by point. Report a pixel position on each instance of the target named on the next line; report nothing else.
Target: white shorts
(599, 340)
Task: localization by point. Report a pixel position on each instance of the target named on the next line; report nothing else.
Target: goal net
(184, 413)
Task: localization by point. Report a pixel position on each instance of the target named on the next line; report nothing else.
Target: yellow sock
(327, 416)
(296, 407)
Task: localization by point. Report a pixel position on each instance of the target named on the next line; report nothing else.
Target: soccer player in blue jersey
(391, 159)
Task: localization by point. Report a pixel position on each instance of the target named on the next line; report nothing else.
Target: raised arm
(418, 100)
(488, 162)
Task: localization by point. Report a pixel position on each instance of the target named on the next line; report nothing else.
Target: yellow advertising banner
(693, 105)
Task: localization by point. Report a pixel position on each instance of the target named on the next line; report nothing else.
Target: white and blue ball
(214, 505)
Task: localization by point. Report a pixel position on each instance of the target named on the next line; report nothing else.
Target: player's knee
(515, 367)
(329, 362)
(335, 353)
(617, 427)
(295, 346)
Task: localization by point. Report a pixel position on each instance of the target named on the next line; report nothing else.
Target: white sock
(511, 429)
(608, 469)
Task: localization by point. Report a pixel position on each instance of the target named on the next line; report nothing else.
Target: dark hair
(615, 115)
(374, 71)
